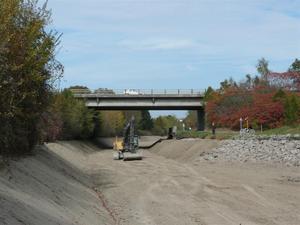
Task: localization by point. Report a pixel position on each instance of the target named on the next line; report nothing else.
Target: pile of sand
(184, 149)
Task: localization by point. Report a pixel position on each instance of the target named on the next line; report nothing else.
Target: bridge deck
(140, 102)
(146, 101)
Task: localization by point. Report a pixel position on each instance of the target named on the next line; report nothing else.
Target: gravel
(273, 149)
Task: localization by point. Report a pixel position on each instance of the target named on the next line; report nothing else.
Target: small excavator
(128, 147)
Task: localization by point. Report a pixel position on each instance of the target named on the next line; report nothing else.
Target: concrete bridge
(128, 99)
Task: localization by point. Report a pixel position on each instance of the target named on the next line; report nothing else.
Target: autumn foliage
(28, 71)
(270, 104)
(289, 81)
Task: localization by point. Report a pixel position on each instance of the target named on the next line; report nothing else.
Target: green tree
(79, 87)
(191, 120)
(292, 110)
(135, 113)
(146, 122)
(112, 123)
(248, 80)
(77, 119)
(295, 67)
(256, 81)
(263, 68)
(28, 71)
(279, 96)
(224, 85)
(208, 93)
(163, 123)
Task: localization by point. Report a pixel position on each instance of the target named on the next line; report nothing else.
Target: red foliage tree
(288, 80)
(257, 105)
(265, 110)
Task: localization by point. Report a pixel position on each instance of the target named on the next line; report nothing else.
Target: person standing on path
(213, 127)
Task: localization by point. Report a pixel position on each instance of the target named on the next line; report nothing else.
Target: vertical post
(241, 123)
(201, 120)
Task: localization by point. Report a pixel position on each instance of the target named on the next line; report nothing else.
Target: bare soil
(78, 183)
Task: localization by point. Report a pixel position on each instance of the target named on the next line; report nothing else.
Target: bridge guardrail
(105, 91)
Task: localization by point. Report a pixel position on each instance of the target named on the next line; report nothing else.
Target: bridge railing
(105, 91)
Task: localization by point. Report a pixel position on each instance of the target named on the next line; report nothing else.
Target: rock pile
(279, 149)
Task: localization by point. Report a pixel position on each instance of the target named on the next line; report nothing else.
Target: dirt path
(165, 191)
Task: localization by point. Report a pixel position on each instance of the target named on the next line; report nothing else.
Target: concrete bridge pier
(201, 120)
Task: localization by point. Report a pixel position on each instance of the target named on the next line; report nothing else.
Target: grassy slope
(220, 134)
(227, 134)
(282, 130)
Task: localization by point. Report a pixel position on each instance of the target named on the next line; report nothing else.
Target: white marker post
(241, 123)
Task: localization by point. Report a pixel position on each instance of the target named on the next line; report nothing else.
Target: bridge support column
(201, 120)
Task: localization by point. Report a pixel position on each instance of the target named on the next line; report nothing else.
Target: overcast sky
(173, 43)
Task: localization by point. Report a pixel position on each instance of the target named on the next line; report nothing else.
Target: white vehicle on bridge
(131, 92)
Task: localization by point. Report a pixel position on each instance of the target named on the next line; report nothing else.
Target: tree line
(267, 100)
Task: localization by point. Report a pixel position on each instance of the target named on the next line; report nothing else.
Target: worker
(213, 127)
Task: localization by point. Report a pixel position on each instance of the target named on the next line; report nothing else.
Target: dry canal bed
(78, 183)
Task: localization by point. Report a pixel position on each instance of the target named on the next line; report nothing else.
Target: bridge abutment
(200, 120)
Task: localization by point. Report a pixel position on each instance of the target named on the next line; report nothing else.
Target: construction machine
(127, 148)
